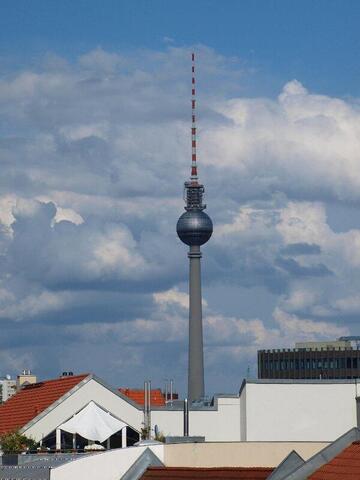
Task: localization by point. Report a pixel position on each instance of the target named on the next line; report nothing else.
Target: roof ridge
(209, 468)
(139, 389)
(65, 378)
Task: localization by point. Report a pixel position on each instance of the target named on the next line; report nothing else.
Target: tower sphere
(194, 227)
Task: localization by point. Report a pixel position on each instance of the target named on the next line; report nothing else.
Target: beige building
(26, 377)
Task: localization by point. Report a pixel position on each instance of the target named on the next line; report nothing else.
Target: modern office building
(339, 359)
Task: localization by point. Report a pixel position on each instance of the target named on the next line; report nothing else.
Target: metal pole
(357, 401)
(186, 417)
(166, 390)
(196, 382)
(149, 406)
(145, 406)
(171, 391)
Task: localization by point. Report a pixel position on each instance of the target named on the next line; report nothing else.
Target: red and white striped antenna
(194, 174)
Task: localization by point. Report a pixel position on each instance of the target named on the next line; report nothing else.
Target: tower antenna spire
(194, 174)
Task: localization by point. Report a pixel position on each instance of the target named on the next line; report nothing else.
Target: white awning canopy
(93, 423)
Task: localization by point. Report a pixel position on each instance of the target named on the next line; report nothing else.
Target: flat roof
(288, 381)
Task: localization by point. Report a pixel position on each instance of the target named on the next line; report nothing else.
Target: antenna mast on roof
(194, 174)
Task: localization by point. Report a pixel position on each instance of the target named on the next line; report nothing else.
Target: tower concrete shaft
(196, 384)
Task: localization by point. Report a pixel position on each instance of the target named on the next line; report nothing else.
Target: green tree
(15, 442)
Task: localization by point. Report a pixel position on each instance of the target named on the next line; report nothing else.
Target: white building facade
(300, 410)
(7, 388)
(282, 410)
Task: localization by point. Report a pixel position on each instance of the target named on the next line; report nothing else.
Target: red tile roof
(31, 400)
(137, 395)
(219, 473)
(344, 466)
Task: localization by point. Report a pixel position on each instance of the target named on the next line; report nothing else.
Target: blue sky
(315, 41)
(94, 149)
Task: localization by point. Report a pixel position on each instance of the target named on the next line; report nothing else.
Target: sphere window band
(194, 227)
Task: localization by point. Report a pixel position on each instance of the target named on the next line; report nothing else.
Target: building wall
(299, 411)
(169, 422)
(243, 415)
(7, 389)
(223, 424)
(26, 377)
(216, 425)
(235, 454)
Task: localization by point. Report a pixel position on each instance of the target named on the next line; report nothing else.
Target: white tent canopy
(93, 423)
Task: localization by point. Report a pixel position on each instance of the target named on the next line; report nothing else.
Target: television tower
(194, 228)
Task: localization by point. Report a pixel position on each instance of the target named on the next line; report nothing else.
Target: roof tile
(346, 465)
(33, 399)
(137, 395)
(219, 473)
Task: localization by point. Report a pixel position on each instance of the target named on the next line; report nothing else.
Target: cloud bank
(93, 154)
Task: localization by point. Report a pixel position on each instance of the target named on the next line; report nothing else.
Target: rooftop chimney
(26, 377)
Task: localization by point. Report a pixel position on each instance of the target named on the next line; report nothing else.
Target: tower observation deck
(194, 228)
